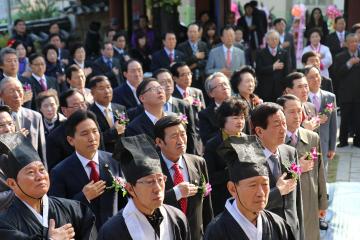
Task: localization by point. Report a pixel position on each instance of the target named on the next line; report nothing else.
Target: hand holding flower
(306, 165)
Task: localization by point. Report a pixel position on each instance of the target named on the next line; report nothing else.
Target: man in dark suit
(119, 41)
(39, 82)
(336, 43)
(111, 117)
(91, 170)
(269, 125)
(126, 93)
(272, 66)
(57, 147)
(196, 54)
(217, 87)
(296, 84)
(152, 96)
(12, 94)
(185, 173)
(9, 64)
(63, 53)
(312, 58)
(347, 68)
(179, 106)
(286, 41)
(108, 65)
(166, 56)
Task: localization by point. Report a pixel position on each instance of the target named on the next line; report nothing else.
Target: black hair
(288, 81)
(17, 43)
(120, 34)
(47, 48)
(75, 47)
(278, 20)
(288, 97)
(225, 28)
(236, 79)
(233, 106)
(76, 118)
(163, 36)
(308, 55)
(71, 69)
(160, 71)
(142, 86)
(131, 60)
(97, 79)
(312, 19)
(19, 20)
(54, 35)
(259, 116)
(338, 18)
(165, 122)
(5, 108)
(34, 56)
(174, 68)
(65, 95)
(317, 30)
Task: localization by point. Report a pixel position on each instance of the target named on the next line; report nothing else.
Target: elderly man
(272, 65)
(217, 87)
(9, 64)
(313, 182)
(33, 214)
(245, 216)
(225, 58)
(269, 125)
(12, 94)
(144, 216)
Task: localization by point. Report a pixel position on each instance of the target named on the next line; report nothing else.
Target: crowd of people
(215, 137)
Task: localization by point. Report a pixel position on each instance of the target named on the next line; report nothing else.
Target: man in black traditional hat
(32, 214)
(245, 216)
(145, 216)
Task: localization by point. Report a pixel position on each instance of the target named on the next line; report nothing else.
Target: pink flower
(196, 102)
(27, 87)
(208, 189)
(314, 153)
(183, 118)
(329, 108)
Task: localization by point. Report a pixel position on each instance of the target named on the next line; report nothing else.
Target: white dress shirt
(84, 162)
(133, 90)
(181, 90)
(38, 79)
(268, 154)
(311, 96)
(183, 168)
(102, 109)
(42, 218)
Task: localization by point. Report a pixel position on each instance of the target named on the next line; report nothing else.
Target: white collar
(311, 95)
(268, 153)
(140, 228)
(226, 49)
(38, 77)
(84, 161)
(153, 119)
(252, 232)
(181, 90)
(131, 86)
(169, 163)
(102, 108)
(43, 219)
(18, 113)
(289, 134)
(170, 100)
(168, 51)
(81, 65)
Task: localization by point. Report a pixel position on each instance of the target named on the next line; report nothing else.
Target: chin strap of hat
(26, 193)
(255, 213)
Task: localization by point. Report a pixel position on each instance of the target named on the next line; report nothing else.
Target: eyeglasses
(222, 84)
(151, 182)
(154, 89)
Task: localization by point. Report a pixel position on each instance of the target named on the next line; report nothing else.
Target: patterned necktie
(94, 175)
(273, 52)
(108, 117)
(171, 57)
(316, 102)
(342, 39)
(228, 58)
(16, 121)
(43, 84)
(179, 178)
(276, 167)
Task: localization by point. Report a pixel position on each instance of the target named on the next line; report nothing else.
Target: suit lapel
(194, 177)
(169, 182)
(100, 116)
(129, 96)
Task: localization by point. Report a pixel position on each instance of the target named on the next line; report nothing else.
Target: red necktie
(179, 178)
(228, 58)
(171, 57)
(43, 84)
(94, 175)
(303, 116)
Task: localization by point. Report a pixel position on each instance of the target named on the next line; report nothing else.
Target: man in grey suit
(225, 58)
(269, 125)
(323, 101)
(12, 94)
